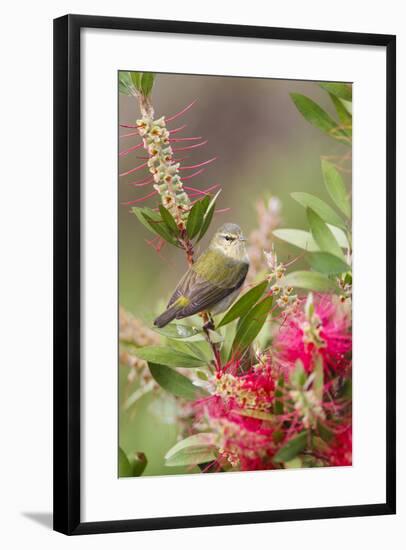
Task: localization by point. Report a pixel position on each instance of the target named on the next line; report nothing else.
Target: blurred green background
(264, 147)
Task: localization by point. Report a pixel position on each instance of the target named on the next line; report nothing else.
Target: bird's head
(230, 240)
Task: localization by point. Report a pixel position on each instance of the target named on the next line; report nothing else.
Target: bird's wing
(203, 294)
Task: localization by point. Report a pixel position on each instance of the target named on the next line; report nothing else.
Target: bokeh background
(264, 147)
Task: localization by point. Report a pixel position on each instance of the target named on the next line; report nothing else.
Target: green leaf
(310, 280)
(325, 433)
(242, 306)
(124, 466)
(344, 116)
(251, 325)
(176, 331)
(160, 229)
(347, 106)
(147, 81)
(139, 212)
(318, 383)
(136, 79)
(298, 375)
(174, 382)
(298, 237)
(327, 263)
(338, 89)
(335, 187)
(169, 357)
(278, 406)
(168, 220)
(254, 413)
(320, 207)
(138, 462)
(294, 463)
(323, 235)
(208, 216)
(318, 117)
(292, 448)
(125, 84)
(193, 450)
(195, 220)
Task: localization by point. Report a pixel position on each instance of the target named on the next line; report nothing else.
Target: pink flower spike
(134, 169)
(173, 117)
(176, 130)
(176, 149)
(133, 148)
(140, 200)
(198, 165)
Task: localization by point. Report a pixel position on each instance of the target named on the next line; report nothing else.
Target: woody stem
(209, 325)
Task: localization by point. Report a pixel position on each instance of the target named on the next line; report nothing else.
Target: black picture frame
(67, 293)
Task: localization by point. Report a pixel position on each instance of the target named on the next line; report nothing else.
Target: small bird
(214, 281)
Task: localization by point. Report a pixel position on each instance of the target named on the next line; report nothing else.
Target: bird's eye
(228, 238)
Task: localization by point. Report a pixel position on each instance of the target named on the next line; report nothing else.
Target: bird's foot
(209, 325)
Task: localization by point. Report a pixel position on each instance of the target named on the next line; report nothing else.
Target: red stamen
(143, 183)
(198, 165)
(133, 148)
(140, 200)
(177, 140)
(176, 130)
(173, 117)
(200, 191)
(176, 149)
(130, 134)
(184, 178)
(134, 169)
(129, 126)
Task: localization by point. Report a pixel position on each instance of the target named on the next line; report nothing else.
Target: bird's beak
(242, 239)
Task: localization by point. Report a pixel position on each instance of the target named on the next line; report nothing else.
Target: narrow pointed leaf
(318, 117)
(193, 450)
(139, 212)
(159, 227)
(208, 216)
(175, 383)
(195, 220)
(168, 220)
(318, 383)
(310, 280)
(251, 325)
(327, 263)
(136, 78)
(297, 237)
(344, 116)
(138, 463)
(338, 89)
(292, 448)
(323, 235)
(125, 84)
(169, 357)
(147, 81)
(320, 207)
(124, 466)
(242, 306)
(335, 187)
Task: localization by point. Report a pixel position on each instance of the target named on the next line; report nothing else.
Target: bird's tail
(167, 316)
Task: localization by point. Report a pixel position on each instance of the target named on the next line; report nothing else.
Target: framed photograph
(224, 303)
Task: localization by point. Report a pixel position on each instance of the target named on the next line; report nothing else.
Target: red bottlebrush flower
(340, 453)
(327, 332)
(232, 414)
